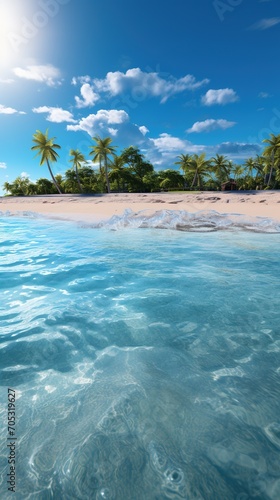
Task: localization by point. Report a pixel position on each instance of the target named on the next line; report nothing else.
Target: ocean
(140, 362)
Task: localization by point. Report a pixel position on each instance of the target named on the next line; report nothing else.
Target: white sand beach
(99, 207)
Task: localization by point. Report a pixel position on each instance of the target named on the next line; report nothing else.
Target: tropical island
(131, 172)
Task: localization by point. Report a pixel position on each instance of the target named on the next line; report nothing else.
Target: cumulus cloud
(55, 115)
(144, 130)
(100, 122)
(47, 74)
(265, 24)
(146, 84)
(89, 97)
(220, 96)
(210, 125)
(164, 150)
(10, 111)
(140, 84)
(166, 142)
(3, 164)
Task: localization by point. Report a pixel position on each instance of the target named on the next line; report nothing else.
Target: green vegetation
(47, 149)
(131, 172)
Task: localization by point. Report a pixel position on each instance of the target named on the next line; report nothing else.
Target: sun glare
(12, 41)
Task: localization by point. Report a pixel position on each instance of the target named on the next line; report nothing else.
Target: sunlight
(14, 32)
(9, 20)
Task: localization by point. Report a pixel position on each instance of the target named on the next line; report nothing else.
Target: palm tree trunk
(194, 179)
(53, 178)
(106, 174)
(271, 169)
(78, 179)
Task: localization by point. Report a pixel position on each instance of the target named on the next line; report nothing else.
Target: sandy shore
(99, 207)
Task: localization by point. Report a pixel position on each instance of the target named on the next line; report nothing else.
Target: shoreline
(97, 207)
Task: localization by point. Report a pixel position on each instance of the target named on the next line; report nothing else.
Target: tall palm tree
(100, 151)
(201, 167)
(221, 167)
(238, 171)
(261, 166)
(77, 161)
(46, 148)
(250, 165)
(184, 162)
(272, 151)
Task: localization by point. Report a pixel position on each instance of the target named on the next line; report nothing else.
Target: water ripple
(145, 363)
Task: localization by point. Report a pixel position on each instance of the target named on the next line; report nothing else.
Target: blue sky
(168, 77)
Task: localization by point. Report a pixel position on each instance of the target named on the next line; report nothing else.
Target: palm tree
(119, 173)
(46, 148)
(7, 186)
(184, 162)
(237, 170)
(77, 161)
(100, 151)
(272, 151)
(200, 166)
(221, 167)
(21, 186)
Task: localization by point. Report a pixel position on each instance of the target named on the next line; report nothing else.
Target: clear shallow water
(146, 362)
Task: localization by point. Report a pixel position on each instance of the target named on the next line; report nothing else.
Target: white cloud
(165, 142)
(3, 164)
(144, 130)
(210, 125)
(219, 96)
(25, 175)
(141, 84)
(163, 150)
(80, 79)
(100, 122)
(10, 111)
(265, 24)
(47, 74)
(113, 131)
(89, 97)
(6, 80)
(56, 115)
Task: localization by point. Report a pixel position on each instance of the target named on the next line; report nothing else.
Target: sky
(171, 78)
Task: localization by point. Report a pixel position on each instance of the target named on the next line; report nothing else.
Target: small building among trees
(229, 185)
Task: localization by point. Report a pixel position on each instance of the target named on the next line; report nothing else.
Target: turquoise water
(145, 362)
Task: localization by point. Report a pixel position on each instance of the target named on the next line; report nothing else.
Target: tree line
(131, 172)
